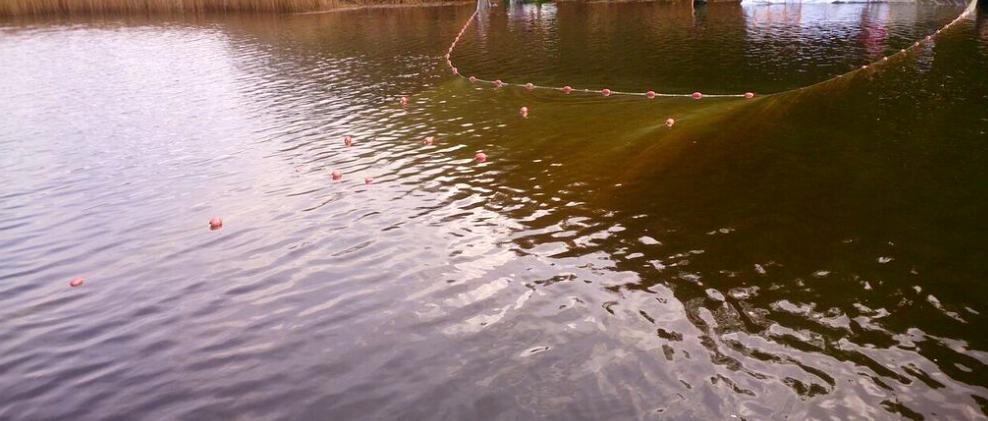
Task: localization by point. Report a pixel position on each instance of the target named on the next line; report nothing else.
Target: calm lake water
(813, 254)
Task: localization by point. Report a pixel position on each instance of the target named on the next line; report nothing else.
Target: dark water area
(814, 253)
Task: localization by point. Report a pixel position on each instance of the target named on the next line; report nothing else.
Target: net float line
(695, 95)
(567, 89)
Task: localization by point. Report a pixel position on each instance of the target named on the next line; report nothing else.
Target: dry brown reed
(100, 7)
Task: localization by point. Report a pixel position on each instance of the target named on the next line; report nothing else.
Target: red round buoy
(498, 83)
(368, 180)
(529, 86)
(567, 89)
(348, 141)
(523, 112)
(480, 157)
(403, 101)
(902, 50)
(749, 95)
(472, 79)
(697, 95)
(215, 223)
(428, 140)
(916, 44)
(605, 92)
(670, 122)
(650, 94)
(885, 59)
(76, 282)
(337, 175)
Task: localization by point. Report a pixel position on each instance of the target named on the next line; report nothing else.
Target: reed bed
(100, 7)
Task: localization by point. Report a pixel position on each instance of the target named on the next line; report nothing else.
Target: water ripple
(752, 262)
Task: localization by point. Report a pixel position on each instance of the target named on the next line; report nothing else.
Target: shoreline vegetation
(12, 8)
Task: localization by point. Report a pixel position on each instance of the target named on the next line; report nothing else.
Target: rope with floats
(695, 95)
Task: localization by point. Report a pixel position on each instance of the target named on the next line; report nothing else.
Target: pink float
(498, 83)
(472, 79)
(368, 180)
(348, 141)
(529, 86)
(670, 122)
(697, 95)
(480, 157)
(650, 94)
(749, 95)
(76, 282)
(456, 71)
(215, 223)
(523, 112)
(428, 140)
(605, 92)
(337, 175)
(403, 101)
(567, 89)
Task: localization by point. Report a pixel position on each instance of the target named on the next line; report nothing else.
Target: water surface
(807, 255)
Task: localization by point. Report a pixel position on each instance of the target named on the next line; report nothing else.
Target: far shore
(387, 6)
(14, 8)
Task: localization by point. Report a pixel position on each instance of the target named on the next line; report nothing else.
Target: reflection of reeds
(91, 7)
